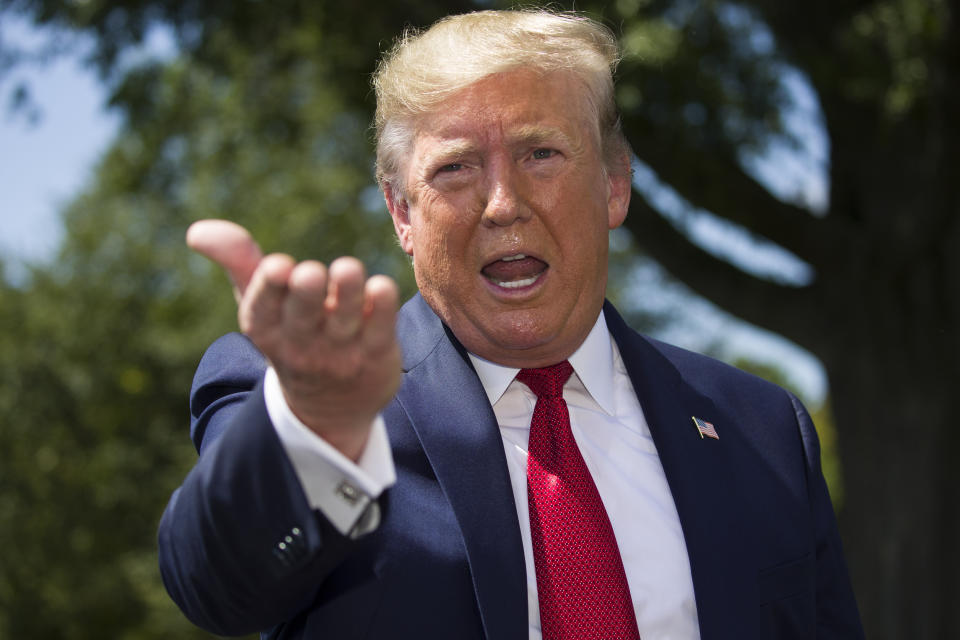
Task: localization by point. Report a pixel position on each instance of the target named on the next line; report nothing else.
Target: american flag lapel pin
(704, 428)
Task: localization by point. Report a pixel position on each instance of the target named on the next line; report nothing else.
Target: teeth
(519, 256)
(516, 284)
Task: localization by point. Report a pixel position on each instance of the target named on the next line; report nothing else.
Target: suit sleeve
(837, 615)
(240, 548)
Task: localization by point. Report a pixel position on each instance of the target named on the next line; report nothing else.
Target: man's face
(506, 215)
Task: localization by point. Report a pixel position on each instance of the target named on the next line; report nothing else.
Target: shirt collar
(592, 362)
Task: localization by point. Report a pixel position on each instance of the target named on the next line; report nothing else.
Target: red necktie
(580, 580)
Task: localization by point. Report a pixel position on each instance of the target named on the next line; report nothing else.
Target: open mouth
(514, 272)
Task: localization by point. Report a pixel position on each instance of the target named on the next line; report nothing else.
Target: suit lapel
(451, 415)
(460, 437)
(701, 473)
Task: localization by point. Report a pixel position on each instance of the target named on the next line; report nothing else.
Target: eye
(543, 153)
(450, 168)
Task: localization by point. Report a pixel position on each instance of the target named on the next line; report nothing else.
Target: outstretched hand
(328, 332)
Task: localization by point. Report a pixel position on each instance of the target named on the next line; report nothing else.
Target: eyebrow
(537, 134)
(526, 135)
(451, 149)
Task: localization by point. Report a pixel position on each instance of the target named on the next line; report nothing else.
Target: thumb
(229, 245)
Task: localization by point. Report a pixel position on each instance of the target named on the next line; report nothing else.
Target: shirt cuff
(344, 491)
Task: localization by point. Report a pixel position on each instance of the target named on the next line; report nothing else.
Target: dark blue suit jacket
(446, 561)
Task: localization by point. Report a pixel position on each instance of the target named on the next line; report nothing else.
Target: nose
(505, 203)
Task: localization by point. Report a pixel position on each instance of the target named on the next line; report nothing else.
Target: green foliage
(91, 441)
(98, 349)
(892, 42)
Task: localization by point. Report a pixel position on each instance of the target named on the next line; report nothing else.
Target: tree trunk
(883, 314)
(899, 518)
(890, 340)
(883, 309)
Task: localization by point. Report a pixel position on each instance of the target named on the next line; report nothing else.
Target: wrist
(346, 433)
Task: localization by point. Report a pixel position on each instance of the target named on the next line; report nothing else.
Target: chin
(525, 343)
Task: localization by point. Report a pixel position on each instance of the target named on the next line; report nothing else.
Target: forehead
(514, 105)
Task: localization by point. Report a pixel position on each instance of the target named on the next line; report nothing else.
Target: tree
(263, 110)
(702, 93)
(99, 347)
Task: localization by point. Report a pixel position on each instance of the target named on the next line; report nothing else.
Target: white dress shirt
(341, 489)
(614, 439)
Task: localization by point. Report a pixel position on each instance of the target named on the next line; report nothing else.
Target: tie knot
(547, 382)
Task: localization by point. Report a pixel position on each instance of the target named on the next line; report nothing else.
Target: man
(504, 458)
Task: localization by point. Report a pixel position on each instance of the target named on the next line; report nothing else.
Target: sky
(45, 161)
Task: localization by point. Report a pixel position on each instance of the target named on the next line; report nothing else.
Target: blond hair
(425, 67)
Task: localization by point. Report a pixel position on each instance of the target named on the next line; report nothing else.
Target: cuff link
(349, 493)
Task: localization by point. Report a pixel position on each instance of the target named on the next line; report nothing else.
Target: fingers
(330, 335)
(328, 332)
(381, 295)
(229, 245)
(303, 309)
(344, 303)
(261, 307)
(302, 303)
(331, 302)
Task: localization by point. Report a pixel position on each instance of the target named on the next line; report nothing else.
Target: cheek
(434, 253)
(441, 229)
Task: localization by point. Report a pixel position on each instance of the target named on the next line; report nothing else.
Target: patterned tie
(580, 580)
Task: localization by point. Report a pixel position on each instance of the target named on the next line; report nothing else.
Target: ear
(400, 212)
(619, 188)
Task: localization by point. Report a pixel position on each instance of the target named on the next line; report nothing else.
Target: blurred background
(796, 212)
